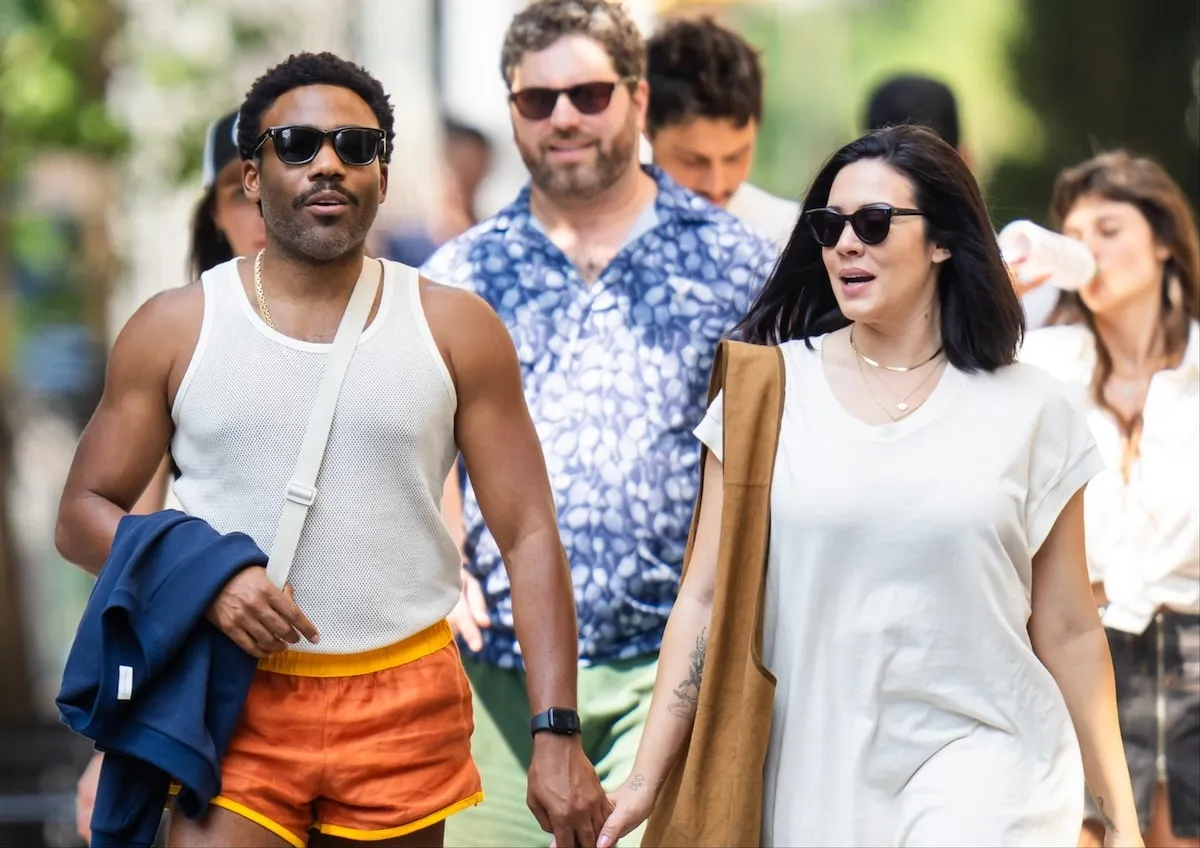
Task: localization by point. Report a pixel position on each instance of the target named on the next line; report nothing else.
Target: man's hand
(85, 798)
(260, 618)
(470, 613)
(564, 793)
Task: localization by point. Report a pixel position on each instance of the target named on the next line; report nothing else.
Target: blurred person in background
(916, 100)
(467, 158)
(225, 224)
(927, 636)
(1128, 345)
(926, 102)
(706, 105)
(616, 284)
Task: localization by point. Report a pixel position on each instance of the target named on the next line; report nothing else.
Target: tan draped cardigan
(713, 795)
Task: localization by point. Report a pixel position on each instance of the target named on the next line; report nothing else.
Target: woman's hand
(632, 805)
(1025, 284)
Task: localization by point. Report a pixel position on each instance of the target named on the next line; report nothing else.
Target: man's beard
(314, 240)
(579, 181)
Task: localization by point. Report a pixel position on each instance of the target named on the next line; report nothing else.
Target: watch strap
(561, 721)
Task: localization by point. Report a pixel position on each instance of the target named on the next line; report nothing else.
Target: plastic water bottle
(1068, 262)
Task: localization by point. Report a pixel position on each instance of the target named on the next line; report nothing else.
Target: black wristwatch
(558, 720)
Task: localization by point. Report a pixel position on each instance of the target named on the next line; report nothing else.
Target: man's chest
(628, 319)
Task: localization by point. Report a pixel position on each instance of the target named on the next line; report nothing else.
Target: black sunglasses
(355, 146)
(589, 98)
(871, 223)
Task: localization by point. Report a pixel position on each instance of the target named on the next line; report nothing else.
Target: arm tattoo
(637, 781)
(1105, 819)
(687, 693)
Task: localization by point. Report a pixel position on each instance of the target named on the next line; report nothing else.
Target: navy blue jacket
(149, 679)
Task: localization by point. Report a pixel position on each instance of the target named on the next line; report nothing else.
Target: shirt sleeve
(1063, 459)
(449, 266)
(711, 431)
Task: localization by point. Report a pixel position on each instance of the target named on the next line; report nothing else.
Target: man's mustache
(318, 188)
(567, 138)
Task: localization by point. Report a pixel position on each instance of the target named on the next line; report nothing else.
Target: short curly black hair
(301, 69)
(544, 22)
(699, 69)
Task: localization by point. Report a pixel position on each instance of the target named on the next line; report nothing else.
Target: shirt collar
(1188, 369)
(1189, 366)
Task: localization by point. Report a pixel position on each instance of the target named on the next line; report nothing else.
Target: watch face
(564, 721)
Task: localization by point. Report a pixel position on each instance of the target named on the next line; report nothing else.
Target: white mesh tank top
(375, 563)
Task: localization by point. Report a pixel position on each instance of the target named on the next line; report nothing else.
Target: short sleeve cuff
(1086, 466)
(711, 431)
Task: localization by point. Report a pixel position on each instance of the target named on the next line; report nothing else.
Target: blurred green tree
(53, 80)
(1101, 74)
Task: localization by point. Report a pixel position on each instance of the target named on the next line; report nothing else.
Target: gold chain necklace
(258, 290)
(878, 402)
(899, 369)
(902, 403)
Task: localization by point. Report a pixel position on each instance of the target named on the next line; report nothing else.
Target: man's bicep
(128, 434)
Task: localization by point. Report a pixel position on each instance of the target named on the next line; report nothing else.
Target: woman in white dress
(1127, 346)
(942, 674)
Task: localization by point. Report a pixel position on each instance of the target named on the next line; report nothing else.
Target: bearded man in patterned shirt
(616, 284)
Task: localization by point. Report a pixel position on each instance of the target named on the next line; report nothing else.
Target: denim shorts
(1158, 698)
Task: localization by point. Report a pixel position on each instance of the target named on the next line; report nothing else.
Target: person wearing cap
(225, 224)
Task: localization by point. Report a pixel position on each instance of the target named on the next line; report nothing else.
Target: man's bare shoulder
(465, 327)
(163, 331)
(167, 314)
(457, 313)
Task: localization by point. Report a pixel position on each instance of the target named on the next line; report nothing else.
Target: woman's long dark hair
(1118, 176)
(982, 319)
(209, 245)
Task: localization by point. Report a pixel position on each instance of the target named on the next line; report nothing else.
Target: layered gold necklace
(901, 405)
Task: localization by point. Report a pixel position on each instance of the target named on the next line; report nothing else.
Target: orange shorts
(364, 746)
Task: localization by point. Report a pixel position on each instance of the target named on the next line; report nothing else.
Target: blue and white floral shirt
(616, 376)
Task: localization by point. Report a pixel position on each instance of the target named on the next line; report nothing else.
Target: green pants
(614, 700)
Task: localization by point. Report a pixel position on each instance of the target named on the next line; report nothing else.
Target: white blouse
(1143, 536)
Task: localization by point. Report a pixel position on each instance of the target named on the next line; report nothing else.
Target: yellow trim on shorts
(412, 827)
(260, 820)
(304, 664)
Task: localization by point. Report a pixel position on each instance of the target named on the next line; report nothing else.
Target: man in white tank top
(358, 722)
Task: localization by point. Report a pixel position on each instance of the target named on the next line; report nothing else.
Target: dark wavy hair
(543, 22)
(982, 320)
(299, 70)
(209, 246)
(1119, 176)
(699, 69)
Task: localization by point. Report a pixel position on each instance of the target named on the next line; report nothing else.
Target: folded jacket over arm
(149, 679)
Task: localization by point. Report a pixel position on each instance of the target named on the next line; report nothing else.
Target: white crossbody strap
(301, 491)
